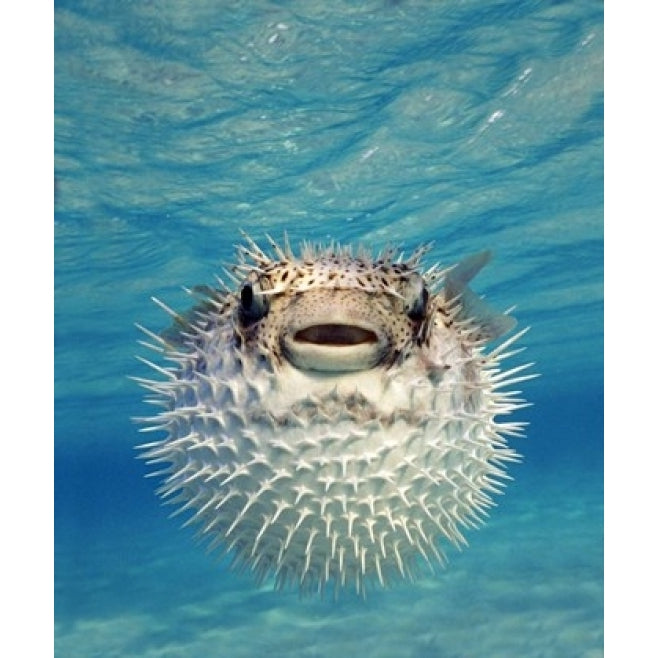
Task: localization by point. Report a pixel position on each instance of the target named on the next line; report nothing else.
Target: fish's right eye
(247, 296)
(253, 304)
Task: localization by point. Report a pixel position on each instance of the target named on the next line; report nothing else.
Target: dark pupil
(417, 311)
(247, 296)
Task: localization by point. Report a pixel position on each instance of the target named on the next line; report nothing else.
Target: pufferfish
(332, 418)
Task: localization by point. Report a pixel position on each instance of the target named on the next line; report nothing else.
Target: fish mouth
(335, 335)
(335, 347)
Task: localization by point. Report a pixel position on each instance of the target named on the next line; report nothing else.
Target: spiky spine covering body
(324, 481)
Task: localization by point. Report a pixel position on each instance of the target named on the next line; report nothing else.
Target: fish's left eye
(416, 297)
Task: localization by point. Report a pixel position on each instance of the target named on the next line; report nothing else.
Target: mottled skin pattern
(332, 419)
(288, 292)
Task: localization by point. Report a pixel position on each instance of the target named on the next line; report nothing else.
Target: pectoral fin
(490, 322)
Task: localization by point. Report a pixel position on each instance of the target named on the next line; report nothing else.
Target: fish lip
(335, 346)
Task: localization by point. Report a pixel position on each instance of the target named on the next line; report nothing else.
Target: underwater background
(471, 125)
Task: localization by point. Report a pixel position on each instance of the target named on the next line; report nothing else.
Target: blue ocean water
(474, 125)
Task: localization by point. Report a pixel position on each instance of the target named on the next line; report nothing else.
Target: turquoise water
(475, 125)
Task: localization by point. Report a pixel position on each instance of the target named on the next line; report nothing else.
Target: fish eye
(416, 298)
(247, 296)
(253, 304)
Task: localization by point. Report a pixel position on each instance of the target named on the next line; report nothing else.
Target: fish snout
(335, 338)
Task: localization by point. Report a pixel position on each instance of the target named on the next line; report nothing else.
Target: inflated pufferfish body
(333, 422)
